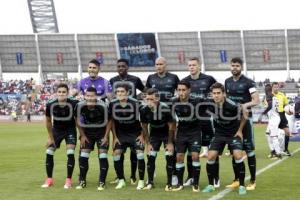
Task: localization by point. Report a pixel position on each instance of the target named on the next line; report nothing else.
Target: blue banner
(296, 131)
(223, 56)
(138, 48)
(19, 58)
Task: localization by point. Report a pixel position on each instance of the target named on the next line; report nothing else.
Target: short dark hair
(185, 83)
(237, 60)
(63, 85)
(91, 89)
(152, 91)
(96, 62)
(122, 85)
(217, 86)
(123, 60)
(194, 58)
(275, 83)
(268, 88)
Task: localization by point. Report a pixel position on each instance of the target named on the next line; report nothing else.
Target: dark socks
(49, 165)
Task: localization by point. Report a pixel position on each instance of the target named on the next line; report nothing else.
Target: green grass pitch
(22, 171)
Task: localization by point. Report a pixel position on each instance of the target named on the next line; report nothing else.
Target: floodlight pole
(43, 16)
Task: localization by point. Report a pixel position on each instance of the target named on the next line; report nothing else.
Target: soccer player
(158, 117)
(102, 85)
(166, 84)
(94, 125)
(188, 136)
(282, 101)
(127, 132)
(242, 90)
(134, 83)
(200, 87)
(228, 123)
(60, 124)
(164, 81)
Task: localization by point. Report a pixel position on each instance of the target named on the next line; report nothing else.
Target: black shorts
(95, 139)
(131, 142)
(192, 143)
(248, 136)
(283, 121)
(156, 142)
(218, 143)
(207, 132)
(69, 135)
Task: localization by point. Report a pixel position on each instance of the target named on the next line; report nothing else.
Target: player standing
(127, 132)
(200, 87)
(157, 116)
(242, 90)
(228, 124)
(60, 124)
(94, 126)
(134, 83)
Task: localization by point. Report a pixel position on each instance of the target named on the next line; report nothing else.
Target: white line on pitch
(226, 191)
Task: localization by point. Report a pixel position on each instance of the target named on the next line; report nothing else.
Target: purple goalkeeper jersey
(101, 84)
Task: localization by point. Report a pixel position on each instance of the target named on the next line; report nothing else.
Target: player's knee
(70, 151)
(140, 156)
(50, 151)
(153, 154)
(180, 157)
(84, 154)
(195, 157)
(117, 158)
(103, 155)
(251, 154)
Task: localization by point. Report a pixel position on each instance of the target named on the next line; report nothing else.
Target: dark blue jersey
(200, 87)
(93, 119)
(62, 115)
(132, 81)
(226, 118)
(187, 115)
(126, 117)
(157, 119)
(166, 85)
